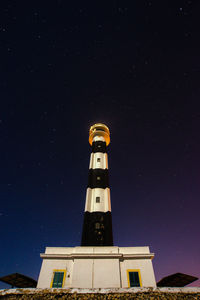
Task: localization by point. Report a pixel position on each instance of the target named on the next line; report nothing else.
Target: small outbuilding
(96, 267)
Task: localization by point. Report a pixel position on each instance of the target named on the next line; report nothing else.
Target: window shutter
(58, 279)
(134, 279)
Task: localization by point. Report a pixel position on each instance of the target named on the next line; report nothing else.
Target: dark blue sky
(133, 65)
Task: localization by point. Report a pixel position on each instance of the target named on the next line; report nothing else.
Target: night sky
(133, 65)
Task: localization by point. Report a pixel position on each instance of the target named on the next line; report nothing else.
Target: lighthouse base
(96, 267)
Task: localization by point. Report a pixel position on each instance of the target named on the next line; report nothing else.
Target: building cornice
(120, 256)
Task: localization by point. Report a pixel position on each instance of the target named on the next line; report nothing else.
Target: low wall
(83, 294)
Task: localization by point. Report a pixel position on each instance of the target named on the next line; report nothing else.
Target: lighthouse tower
(97, 225)
(97, 263)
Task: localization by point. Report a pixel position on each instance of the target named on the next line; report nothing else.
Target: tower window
(97, 199)
(97, 225)
(58, 278)
(134, 278)
(98, 159)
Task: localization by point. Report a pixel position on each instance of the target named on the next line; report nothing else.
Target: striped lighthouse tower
(97, 225)
(92, 265)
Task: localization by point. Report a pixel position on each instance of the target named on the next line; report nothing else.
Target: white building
(97, 267)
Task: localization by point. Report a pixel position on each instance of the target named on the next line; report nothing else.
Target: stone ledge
(32, 291)
(97, 255)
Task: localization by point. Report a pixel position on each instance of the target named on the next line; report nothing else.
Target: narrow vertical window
(134, 279)
(97, 225)
(97, 199)
(58, 279)
(98, 159)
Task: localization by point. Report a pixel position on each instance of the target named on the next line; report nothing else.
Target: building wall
(82, 273)
(106, 273)
(144, 266)
(97, 267)
(47, 269)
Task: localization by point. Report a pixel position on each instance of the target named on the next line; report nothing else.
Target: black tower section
(97, 225)
(97, 229)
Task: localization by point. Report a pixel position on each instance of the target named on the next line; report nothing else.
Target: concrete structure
(97, 263)
(97, 267)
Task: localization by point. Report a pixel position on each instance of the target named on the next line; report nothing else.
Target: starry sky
(133, 65)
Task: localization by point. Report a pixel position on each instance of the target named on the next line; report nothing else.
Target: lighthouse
(97, 263)
(97, 225)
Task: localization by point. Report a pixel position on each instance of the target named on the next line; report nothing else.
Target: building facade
(97, 267)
